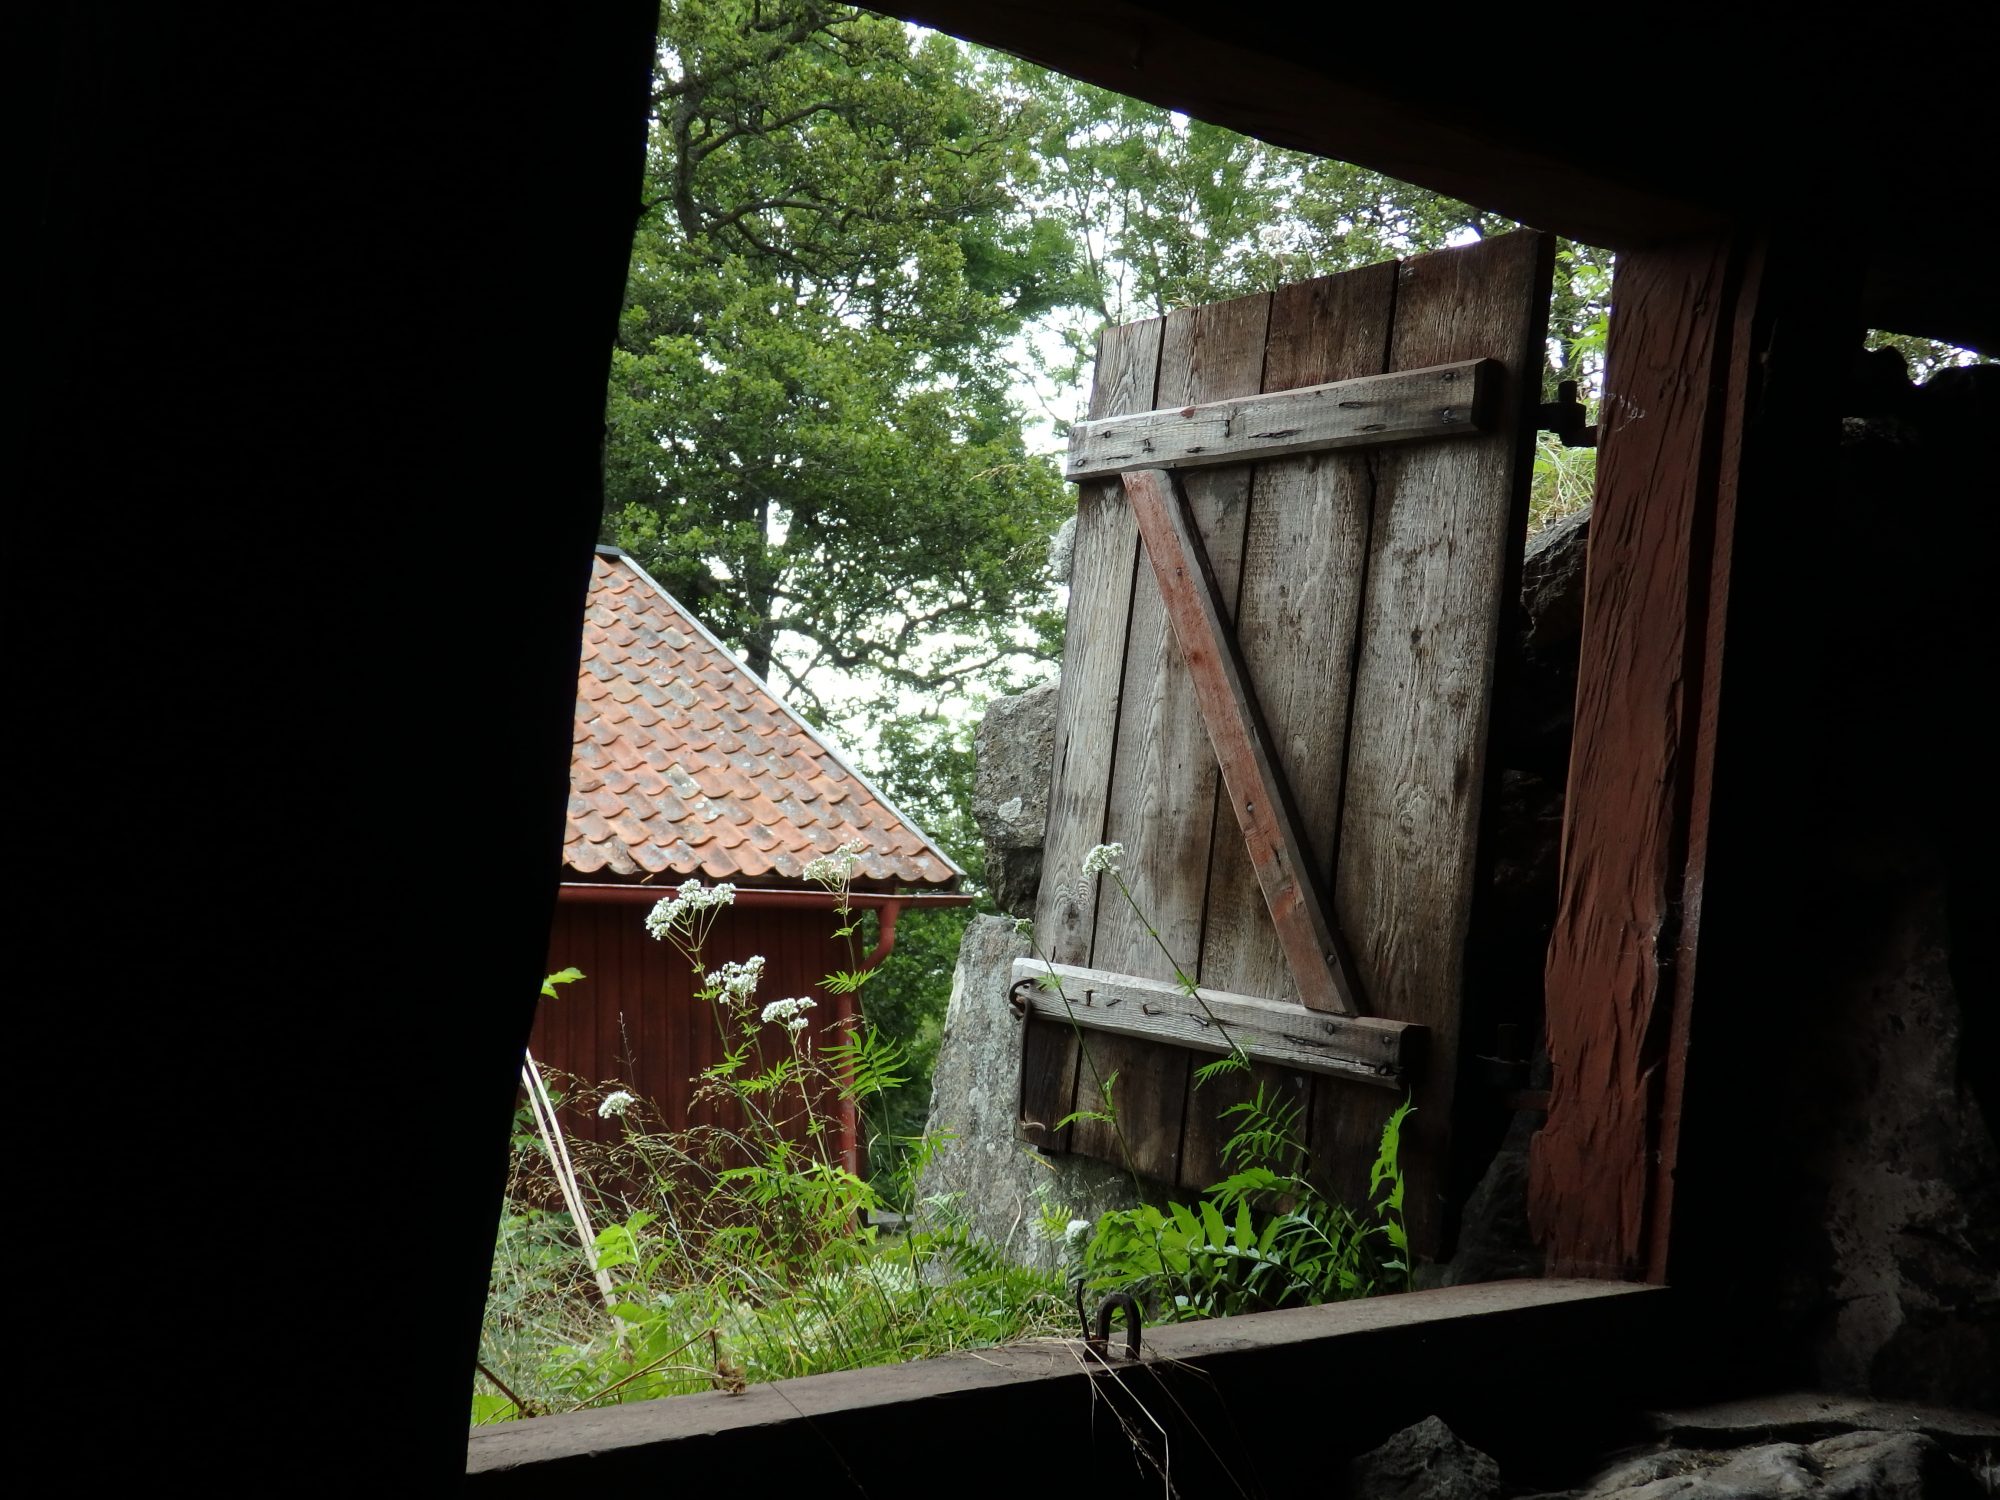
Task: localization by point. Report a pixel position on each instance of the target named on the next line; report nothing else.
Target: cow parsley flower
(835, 869)
(791, 1014)
(737, 982)
(1076, 1232)
(692, 900)
(615, 1103)
(1103, 859)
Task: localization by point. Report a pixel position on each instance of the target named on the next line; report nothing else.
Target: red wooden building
(685, 765)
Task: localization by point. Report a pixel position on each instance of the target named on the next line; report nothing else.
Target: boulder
(1012, 753)
(1062, 551)
(1863, 1465)
(1552, 582)
(981, 1175)
(1494, 1242)
(1424, 1462)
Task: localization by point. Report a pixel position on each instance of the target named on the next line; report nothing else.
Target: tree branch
(709, 145)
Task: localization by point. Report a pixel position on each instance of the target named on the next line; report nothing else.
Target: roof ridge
(719, 789)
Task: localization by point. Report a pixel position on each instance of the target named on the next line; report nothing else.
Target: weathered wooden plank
(1087, 715)
(1445, 516)
(1644, 728)
(1371, 411)
(1366, 1049)
(1258, 797)
(1296, 609)
(1163, 764)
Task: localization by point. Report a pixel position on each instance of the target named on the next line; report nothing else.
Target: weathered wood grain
(1444, 519)
(1300, 596)
(1087, 714)
(1164, 767)
(1373, 411)
(1659, 533)
(1364, 1048)
(1259, 800)
(1296, 607)
(1435, 539)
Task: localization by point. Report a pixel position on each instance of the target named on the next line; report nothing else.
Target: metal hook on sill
(1099, 1343)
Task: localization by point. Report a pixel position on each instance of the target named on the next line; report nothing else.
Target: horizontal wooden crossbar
(1405, 407)
(1364, 1048)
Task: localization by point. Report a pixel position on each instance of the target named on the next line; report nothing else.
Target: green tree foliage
(1922, 357)
(1168, 212)
(856, 241)
(809, 438)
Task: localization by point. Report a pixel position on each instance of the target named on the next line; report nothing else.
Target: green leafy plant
(739, 1252)
(1264, 1237)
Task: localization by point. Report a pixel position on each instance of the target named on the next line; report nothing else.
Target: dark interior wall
(1839, 1188)
(319, 312)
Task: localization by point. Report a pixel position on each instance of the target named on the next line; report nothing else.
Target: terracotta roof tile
(684, 762)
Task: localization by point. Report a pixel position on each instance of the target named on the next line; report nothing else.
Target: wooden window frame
(1692, 333)
(1382, 1363)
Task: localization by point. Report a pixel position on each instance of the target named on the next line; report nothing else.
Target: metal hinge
(1564, 417)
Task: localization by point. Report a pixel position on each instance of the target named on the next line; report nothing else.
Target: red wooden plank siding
(629, 975)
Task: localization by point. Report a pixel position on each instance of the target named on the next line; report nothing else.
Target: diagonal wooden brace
(1313, 946)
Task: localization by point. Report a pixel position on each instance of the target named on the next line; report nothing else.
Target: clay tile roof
(683, 761)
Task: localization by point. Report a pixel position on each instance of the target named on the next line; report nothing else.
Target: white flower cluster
(737, 982)
(692, 898)
(615, 1103)
(834, 869)
(1103, 859)
(1076, 1232)
(790, 1013)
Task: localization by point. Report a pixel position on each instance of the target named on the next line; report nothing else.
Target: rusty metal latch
(1098, 1341)
(1016, 1001)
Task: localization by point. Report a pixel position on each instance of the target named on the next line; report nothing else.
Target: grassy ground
(725, 1280)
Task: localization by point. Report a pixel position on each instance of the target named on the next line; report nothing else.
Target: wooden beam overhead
(1696, 129)
(1285, 87)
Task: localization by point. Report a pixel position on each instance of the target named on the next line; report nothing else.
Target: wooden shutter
(1356, 593)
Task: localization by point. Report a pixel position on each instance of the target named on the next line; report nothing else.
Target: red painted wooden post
(1621, 960)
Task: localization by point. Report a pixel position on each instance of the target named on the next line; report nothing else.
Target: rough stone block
(1010, 792)
(983, 1175)
(1425, 1462)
